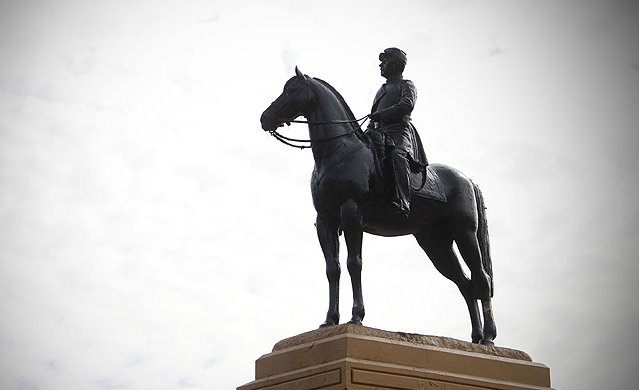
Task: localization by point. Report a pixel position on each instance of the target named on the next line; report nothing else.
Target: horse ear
(298, 73)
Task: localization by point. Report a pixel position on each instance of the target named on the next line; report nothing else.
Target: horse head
(295, 100)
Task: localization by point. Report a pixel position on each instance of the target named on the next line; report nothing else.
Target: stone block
(351, 357)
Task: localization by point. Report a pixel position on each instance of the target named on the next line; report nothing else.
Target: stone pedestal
(350, 357)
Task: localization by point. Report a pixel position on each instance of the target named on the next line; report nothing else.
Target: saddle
(424, 181)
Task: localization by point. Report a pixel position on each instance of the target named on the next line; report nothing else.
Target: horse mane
(360, 134)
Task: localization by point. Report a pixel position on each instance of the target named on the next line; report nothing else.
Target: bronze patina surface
(351, 196)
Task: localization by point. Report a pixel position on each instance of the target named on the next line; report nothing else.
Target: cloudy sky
(153, 237)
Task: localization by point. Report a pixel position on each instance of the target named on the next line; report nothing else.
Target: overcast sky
(153, 237)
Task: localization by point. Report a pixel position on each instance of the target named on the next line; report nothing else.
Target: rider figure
(391, 128)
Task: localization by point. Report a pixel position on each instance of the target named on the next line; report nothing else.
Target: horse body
(381, 220)
(347, 196)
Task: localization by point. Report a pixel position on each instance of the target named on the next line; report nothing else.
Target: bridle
(290, 141)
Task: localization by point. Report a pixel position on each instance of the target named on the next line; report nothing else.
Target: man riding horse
(391, 130)
(346, 200)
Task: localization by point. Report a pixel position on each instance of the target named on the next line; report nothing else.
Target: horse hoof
(488, 343)
(329, 322)
(331, 319)
(355, 322)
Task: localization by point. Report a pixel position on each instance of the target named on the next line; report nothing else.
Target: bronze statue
(391, 129)
(349, 195)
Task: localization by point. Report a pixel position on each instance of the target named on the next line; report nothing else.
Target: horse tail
(482, 236)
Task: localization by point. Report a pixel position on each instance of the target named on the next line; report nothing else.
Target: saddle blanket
(432, 187)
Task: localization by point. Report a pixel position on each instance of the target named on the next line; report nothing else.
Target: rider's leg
(401, 181)
(399, 147)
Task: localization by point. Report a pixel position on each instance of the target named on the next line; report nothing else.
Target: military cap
(395, 53)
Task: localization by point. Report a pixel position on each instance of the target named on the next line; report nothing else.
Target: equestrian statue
(379, 181)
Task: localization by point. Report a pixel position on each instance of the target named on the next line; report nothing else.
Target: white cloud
(154, 237)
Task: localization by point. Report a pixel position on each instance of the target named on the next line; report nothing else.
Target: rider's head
(393, 61)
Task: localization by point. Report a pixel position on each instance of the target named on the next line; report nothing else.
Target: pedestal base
(350, 357)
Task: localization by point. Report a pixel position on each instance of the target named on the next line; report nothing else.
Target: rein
(289, 141)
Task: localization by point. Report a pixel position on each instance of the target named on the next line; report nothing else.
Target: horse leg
(439, 248)
(490, 328)
(469, 248)
(351, 222)
(327, 233)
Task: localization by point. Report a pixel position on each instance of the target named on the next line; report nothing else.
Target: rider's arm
(404, 106)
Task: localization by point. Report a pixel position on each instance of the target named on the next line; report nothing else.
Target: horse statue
(349, 197)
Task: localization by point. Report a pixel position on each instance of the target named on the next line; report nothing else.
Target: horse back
(447, 196)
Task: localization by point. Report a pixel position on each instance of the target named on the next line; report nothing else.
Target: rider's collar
(394, 79)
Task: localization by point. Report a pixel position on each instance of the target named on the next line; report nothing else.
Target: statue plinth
(356, 357)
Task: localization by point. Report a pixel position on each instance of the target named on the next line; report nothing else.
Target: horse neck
(330, 108)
